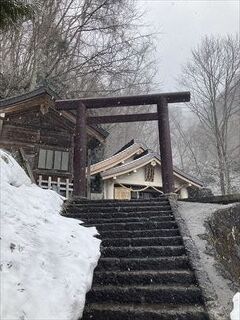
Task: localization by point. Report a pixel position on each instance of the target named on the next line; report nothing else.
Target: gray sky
(182, 24)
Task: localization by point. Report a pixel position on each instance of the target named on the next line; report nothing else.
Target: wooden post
(40, 181)
(49, 182)
(58, 185)
(67, 188)
(79, 161)
(89, 174)
(165, 146)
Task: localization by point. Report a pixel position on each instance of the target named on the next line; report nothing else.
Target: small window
(57, 160)
(49, 159)
(65, 160)
(53, 159)
(42, 158)
(149, 173)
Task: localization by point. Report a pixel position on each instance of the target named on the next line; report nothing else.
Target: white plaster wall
(138, 178)
(109, 189)
(183, 193)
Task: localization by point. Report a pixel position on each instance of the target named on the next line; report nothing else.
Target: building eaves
(125, 168)
(116, 159)
(129, 144)
(140, 162)
(180, 172)
(4, 103)
(27, 96)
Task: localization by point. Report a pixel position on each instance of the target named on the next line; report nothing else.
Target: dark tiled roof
(28, 95)
(38, 92)
(127, 145)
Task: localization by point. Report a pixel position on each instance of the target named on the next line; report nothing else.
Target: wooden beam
(23, 105)
(165, 146)
(123, 118)
(123, 101)
(79, 161)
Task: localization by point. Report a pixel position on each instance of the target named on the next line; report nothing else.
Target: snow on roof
(142, 161)
(47, 260)
(117, 158)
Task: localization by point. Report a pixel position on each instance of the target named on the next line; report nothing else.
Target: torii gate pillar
(79, 159)
(165, 146)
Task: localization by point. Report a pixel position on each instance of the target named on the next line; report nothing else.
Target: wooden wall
(33, 129)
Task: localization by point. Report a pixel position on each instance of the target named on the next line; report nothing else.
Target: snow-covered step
(150, 241)
(169, 294)
(79, 209)
(135, 226)
(139, 233)
(144, 277)
(95, 221)
(143, 252)
(158, 263)
(97, 204)
(117, 202)
(144, 311)
(108, 215)
(144, 271)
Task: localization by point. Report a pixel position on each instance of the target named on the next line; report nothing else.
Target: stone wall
(226, 199)
(224, 235)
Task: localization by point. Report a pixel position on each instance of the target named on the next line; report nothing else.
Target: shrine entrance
(82, 119)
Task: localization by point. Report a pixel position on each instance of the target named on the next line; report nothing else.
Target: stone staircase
(144, 272)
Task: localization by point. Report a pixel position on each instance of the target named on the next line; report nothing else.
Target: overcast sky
(182, 24)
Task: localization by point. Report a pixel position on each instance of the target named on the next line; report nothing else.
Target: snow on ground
(235, 314)
(47, 261)
(195, 215)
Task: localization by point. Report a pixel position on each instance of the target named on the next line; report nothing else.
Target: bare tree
(185, 146)
(79, 47)
(213, 77)
(12, 12)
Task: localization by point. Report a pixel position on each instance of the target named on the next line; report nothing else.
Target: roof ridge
(148, 156)
(27, 95)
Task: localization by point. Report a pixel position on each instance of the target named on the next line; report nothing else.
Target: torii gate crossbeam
(162, 116)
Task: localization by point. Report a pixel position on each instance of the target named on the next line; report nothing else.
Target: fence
(65, 188)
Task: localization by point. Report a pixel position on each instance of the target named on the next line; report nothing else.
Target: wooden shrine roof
(46, 96)
(115, 166)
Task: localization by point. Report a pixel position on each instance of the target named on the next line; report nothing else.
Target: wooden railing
(65, 188)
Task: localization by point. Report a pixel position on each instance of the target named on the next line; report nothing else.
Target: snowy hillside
(47, 261)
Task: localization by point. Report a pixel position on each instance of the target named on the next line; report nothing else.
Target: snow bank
(235, 314)
(47, 261)
(195, 216)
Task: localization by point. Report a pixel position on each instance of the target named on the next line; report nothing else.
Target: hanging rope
(131, 189)
(182, 186)
(157, 190)
(139, 190)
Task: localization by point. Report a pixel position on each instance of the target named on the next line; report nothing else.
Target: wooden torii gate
(82, 119)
